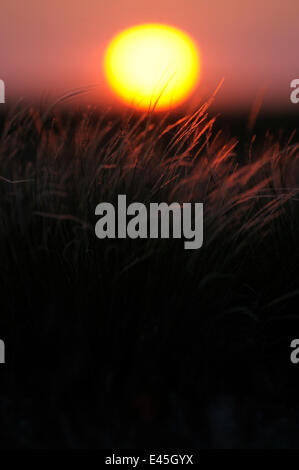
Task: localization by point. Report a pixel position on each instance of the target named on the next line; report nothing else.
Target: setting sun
(152, 66)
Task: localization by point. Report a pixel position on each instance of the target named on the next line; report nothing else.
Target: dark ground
(124, 344)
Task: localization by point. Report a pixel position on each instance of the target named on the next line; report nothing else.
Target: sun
(152, 66)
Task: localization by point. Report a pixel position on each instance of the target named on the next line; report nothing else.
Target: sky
(51, 47)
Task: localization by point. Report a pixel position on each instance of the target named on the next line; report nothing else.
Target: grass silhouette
(131, 343)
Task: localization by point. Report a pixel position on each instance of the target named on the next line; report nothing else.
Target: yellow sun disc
(152, 66)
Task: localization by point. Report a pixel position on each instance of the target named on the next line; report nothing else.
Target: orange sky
(53, 46)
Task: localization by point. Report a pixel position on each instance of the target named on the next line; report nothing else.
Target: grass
(142, 343)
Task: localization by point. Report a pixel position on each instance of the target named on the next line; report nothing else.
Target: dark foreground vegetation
(140, 343)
